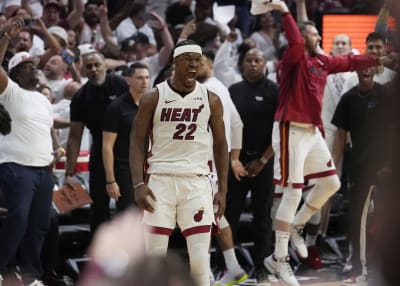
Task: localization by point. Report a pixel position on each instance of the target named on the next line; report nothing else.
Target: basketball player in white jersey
(179, 115)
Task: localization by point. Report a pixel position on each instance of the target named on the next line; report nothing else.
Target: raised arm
(381, 25)
(106, 31)
(10, 32)
(220, 150)
(301, 11)
(141, 127)
(54, 46)
(159, 25)
(75, 18)
(295, 50)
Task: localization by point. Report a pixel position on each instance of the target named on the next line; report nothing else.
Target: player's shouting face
(186, 67)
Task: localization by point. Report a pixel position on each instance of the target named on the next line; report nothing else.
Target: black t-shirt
(365, 117)
(256, 104)
(88, 106)
(118, 119)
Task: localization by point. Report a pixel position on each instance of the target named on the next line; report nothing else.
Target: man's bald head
(341, 45)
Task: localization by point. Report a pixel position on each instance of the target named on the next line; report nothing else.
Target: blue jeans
(28, 195)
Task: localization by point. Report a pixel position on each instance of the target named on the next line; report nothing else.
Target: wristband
(135, 186)
(263, 160)
(110, 183)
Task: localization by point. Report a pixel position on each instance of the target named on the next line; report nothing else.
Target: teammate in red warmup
(300, 151)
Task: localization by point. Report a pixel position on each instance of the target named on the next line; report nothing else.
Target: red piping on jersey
(196, 230)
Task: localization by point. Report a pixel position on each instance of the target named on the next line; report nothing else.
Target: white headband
(187, 49)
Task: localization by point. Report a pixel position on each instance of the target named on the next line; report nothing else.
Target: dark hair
(29, 31)
(209, 54)
(185, 43)
(374, 36)
(177, 14)
(94, 2)
(303, 26)
(242, 50)
(137, 8)
(138, 65)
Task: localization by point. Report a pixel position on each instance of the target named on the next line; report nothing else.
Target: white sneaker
(282, 269)
(356, 281)
(212, 278)
(232, 278)
(36, 283)
(297, 241)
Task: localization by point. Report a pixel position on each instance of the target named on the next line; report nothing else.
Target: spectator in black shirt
(87, 109)
(364, 113)
(116, 131)
(255, 98)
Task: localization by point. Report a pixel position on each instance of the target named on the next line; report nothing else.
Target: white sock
(303, 215)
(311, 239)
(230, 259)
(281, 243)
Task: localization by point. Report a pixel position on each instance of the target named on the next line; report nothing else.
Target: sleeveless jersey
(180, 136)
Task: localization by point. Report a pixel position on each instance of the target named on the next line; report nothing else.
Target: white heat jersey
(181, 138)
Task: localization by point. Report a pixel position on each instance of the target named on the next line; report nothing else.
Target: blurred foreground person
(124, 263)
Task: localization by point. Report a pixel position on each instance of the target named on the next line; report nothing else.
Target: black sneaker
(262, 276)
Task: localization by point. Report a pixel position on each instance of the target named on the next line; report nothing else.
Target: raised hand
(156, 22)
(14, 27)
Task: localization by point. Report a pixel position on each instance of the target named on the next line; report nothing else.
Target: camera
(28, 22)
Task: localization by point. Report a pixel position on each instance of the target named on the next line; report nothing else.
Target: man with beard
(301, 152)
(25, 156)
(52, 13)
(87, 109)
(90, 25)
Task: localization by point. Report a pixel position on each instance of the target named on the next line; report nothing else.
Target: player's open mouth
(191, 75)
(366, 74)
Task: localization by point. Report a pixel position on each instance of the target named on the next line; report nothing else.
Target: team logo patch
(199, 215)
(329, 164)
